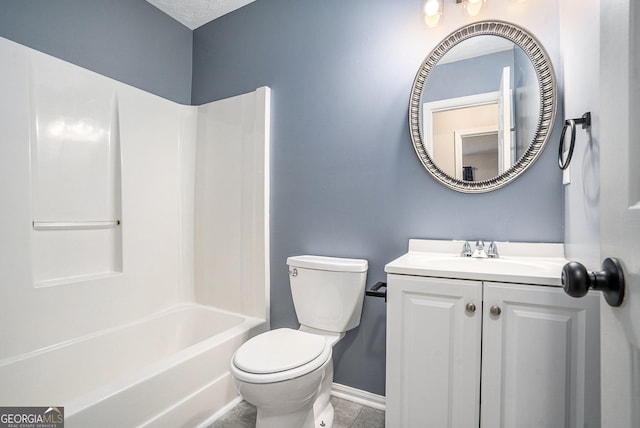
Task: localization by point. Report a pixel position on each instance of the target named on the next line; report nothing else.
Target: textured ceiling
(194, 13)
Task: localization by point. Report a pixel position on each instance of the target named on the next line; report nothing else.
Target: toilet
(287, 374)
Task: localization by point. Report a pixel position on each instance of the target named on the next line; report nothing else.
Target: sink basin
(540, 267)
(435, 261)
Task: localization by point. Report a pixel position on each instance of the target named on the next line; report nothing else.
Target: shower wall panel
(75, 173)
(232, 204)
(78, 153)
(98, 189)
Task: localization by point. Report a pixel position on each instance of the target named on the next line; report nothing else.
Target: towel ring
(585, 121)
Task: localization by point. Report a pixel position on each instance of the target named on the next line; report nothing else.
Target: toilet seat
(279, 355)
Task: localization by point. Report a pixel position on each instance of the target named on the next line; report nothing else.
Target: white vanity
(489, 342)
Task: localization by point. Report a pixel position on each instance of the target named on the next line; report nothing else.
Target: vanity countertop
(519, 262)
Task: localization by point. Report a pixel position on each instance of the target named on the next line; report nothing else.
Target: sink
(529, 263)
(436, 261)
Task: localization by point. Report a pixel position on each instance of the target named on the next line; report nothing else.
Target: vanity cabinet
(470, 353)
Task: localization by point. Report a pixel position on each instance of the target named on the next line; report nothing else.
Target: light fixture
(433, 9)
(432, 12)
(473, 6)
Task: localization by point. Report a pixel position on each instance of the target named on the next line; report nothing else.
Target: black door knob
(577, 280)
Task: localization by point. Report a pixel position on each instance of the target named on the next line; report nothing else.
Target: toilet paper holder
(375, 290)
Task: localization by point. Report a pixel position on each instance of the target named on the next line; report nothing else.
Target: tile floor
(347, 415)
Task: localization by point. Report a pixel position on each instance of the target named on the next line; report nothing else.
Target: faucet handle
(492, 252)
(466, 250)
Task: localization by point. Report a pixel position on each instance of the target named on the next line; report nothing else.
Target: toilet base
(302, 418)
(325, 418)
(322, 408)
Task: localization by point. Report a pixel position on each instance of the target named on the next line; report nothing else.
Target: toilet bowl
(280, 372)
(287, 374)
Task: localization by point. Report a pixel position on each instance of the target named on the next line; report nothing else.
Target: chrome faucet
(492, 252)
(479, 251)
(466, 250)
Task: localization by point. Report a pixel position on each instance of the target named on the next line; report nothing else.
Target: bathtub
(170, 369)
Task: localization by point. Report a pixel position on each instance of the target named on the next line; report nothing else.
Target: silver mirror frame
(548, 94)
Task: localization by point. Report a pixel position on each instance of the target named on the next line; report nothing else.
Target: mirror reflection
(479, 108)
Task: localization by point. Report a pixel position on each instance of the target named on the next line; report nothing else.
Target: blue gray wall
(127, 40)
(345, 179)
(580, 27)
(471, 76)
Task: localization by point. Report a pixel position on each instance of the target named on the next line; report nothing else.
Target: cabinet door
(540, 358)
(433, 352)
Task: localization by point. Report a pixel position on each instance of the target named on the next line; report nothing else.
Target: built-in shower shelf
(74, 225)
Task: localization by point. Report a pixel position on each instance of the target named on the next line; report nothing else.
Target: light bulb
(432, 12)
(431, 7)
(473, 7)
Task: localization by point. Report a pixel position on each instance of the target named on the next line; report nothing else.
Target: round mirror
(482, 106)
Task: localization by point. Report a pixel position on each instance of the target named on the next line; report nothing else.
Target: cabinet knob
(470, 307)
(495, 310)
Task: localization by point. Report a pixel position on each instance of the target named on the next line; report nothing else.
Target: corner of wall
(581, 94)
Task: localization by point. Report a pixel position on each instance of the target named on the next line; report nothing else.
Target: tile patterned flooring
(347, 415)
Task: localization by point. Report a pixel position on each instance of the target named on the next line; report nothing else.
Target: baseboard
(359, 396)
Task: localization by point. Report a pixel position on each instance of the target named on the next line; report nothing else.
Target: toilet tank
(327, 291)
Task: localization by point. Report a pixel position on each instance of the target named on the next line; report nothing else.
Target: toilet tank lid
(335, 264)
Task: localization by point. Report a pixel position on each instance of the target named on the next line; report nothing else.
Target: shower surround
(134, 229)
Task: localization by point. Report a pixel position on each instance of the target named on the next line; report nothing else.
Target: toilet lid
(278, 350)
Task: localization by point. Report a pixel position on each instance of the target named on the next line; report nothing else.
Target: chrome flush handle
(293, 272)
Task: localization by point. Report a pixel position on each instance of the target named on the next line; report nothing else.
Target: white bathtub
(170, 369)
